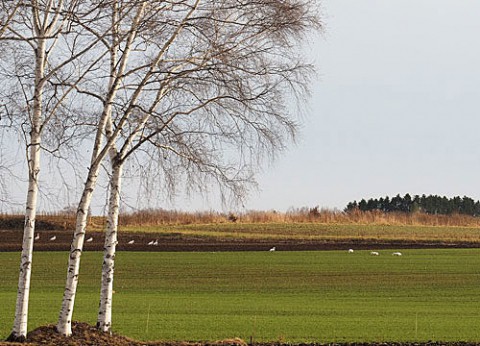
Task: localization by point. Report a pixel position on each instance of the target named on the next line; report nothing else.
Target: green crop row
(266, 296)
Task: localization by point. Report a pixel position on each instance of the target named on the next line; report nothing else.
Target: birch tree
(120, 69)
(43, 26)
(189, 79)
(220, 88)
(36, 91)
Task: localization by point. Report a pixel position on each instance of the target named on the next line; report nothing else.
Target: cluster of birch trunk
(199, 90)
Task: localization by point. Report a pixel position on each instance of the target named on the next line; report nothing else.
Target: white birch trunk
(104, 319)
(19, 330)
(64, 325)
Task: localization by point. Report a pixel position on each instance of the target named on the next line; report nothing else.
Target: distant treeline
(431, 204)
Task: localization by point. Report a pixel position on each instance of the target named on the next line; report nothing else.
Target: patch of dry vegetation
(298, 215)
(48, 221)
(159, 217)
(84, 334)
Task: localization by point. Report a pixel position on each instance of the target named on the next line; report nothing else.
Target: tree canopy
(200, 92)
(431, 204)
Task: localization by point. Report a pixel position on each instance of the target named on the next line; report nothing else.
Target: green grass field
(287, 296)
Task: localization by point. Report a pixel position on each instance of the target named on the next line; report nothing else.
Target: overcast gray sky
(396, 107)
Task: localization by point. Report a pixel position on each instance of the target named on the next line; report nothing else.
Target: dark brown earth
(84, 334)
(87, 335)
(11, 240)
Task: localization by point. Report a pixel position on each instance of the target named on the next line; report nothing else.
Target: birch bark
(19, 330)
(104, 319)
(47, 19)
(64, 325)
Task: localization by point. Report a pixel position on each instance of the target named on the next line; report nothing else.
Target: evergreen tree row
(431, 204)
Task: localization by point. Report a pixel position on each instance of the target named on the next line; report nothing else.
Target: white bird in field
(131, 242)
(272, 249)
(350, 250)
(374, 253)
(89, 240)
(396, 254)
(150, 242)
(155, 242)
(37, 236)
(53, 238)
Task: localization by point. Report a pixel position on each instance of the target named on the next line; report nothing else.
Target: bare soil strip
(11, 240)
(85, 335)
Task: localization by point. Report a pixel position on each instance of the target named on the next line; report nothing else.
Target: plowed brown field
(11, 240)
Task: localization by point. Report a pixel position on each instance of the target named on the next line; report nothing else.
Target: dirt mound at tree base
(87, 335)
(84, 334)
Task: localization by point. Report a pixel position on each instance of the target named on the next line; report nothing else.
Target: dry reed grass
(374, 217)
(157, 217)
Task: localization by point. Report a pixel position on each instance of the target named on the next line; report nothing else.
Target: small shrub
(232, 217)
